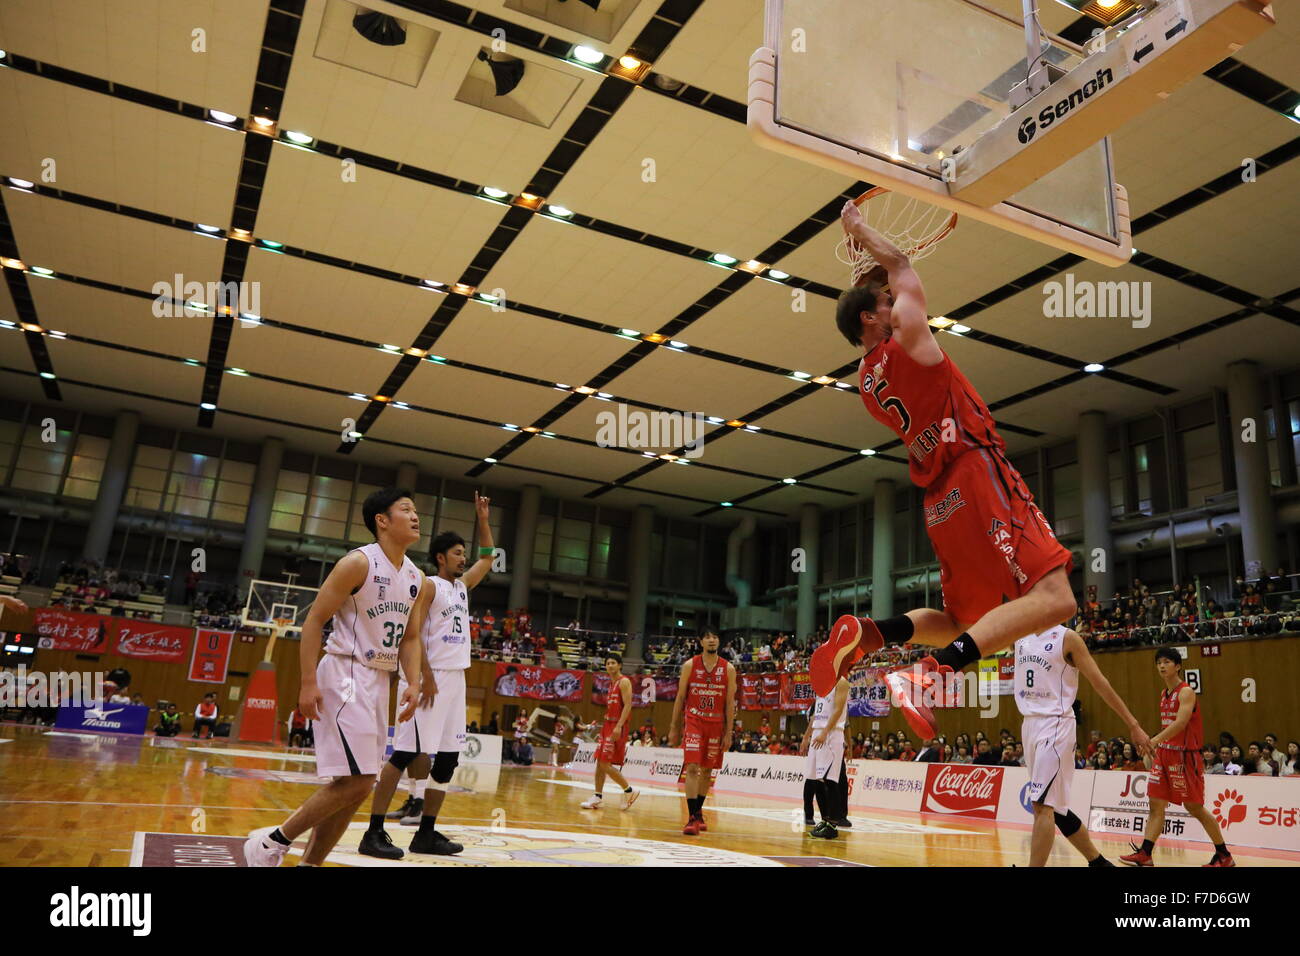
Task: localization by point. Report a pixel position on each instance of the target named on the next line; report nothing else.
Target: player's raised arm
(675, 726)
(908, 316)
(480, 568)
(1076, 652)
(343, 581)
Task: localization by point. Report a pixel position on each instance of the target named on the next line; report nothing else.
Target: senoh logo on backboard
(1062, 108)
(966, 790)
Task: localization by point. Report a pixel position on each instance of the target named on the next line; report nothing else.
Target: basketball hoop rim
(877, 191)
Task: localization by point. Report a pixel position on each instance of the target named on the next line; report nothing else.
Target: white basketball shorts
(352, 731)
(1049, 758)
(439, 727)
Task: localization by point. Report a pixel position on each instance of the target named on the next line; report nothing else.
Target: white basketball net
(915, 227)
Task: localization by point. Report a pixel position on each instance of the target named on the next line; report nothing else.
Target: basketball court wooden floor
(103, 800)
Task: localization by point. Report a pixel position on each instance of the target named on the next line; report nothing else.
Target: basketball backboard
(278, 606)
(884, 91)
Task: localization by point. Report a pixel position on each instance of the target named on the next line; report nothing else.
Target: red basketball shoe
(912, 689)
(851, 638)
(1137, 858)
(1222, 859)
(692, 827)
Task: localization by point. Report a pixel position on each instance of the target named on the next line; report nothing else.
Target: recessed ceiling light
(264, 121)
(531, 429)
(461, 288)
(47, 375)
(959, 329)
(789, 481)
(648, 454)
(42, 271)
(401, 405)
(715, 421)
(21, 183)
(778, 275)
(823, 380)
(801, 375)
(302, 139)
(668, 457)
(237, 371)
(941, 322)
(207, 406)
(754, 266)
(562, 386)
(736, 423)
(655, 337)
(250, 318)
(843, 385)
(57, 335)
(604, 395)
(560, 211)
(206, 228)
(722, 259)
(222, 117)
(488, 297)
(680, 346)
(548, 434)
(511, 428)
(359, 397)
(383, 398)
(1094, 367)
(271, 243)
(585, 54)
(191, 361)
(752, 428)
(726, 504)
(390, 349)
(631, 333)
(356, 436)
(434, 284)
(584, 390)
(868, 452)
(437, 359)
(31, 327)
(490, 461)
(12, 263)
(629, 62)
(494, 193)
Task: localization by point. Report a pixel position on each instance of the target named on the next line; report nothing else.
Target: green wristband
(486, 552)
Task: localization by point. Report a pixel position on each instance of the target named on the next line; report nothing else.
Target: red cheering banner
(645, 689)
(796, 692)
(751, 688)
(771, 696)
(62, 630)
(540, 683)
(211, 656)
(962, 789)
(150, 641)
(666, 688)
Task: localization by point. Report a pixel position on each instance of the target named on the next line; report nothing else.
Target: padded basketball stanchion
(257, 712)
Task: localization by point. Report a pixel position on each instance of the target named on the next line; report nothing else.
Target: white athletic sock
(418, 787)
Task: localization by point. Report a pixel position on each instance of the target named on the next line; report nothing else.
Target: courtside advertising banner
(887, 784)
(1251, 811)
(1014, 805)
(151, 641)
(539, 683)
(106, 719)
(211, 656)
(964, 790)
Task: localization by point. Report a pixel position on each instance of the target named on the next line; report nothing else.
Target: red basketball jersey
(933, 409)
(614, 702)
(706, 692)
(1191, 738)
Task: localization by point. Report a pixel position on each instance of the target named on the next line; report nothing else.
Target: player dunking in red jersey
(993, 543)
(1177, 768)
(613, 735)
(708, 695)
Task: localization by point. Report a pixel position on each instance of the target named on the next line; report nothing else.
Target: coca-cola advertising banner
(62, 630)
(796, 692)
(868, 695)
(962, 790)
(539, 683)
(150, 641)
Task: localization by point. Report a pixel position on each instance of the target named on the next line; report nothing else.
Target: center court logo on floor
(524, 847)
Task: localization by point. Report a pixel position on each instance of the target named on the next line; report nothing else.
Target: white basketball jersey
(822, 708)
(1046, 684)
(446, 626)
(370, 624)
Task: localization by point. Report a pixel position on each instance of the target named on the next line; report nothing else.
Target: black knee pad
(401, 759)
(1068, 823)
(444, 766)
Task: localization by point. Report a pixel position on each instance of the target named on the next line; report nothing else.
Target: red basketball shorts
(611, 749)
(702, 744)
(1177, 776)
(992, 542)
